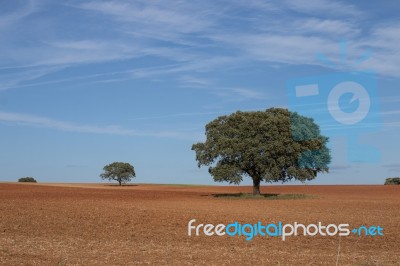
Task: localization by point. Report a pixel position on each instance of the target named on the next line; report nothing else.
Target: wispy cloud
(326, 26)
(15, 16)
(336, 168)
(192, 81)
(390, 113)
(324, 8)
(67, 52)
(76, 166)
(197, 37)
(18, 79)
(174, 16)
(394, 167)
(224, 93)
(239, 94)
(182, 115)
(44, 122)
(257, 5)
(383, 43)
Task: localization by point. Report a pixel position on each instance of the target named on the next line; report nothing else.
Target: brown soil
(86, 224)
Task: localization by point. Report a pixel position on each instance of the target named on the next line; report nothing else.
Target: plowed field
(86, 224)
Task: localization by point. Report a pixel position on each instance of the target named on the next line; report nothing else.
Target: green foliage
(392, 181)
(27, 179)
(118, 171)
(273, 146)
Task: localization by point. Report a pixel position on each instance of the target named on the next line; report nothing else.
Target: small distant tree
(392, 181)
(27, 179)
(118, 171)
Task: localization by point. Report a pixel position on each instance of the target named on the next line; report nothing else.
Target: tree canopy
(392, 181)
(27, 179)
(275, 145)
(118, 171)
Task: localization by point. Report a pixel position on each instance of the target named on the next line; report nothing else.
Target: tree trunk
(120, 182)
(256, 186)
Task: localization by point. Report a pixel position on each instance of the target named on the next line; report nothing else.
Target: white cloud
(17, 79)
(394, 167)
(390, 113)
(256, 4)
(288, 49)
(226, 94)
(323, 8)
(82, 45)
(335, 168)
(15, 16)
(179, 115)
(325, 26)
(172, 15)
(67, 52)
(191, 81)
(44, 122)
(239, 94)
(202, 42)
(383, 42)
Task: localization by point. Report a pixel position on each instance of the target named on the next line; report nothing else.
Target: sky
(87, 83)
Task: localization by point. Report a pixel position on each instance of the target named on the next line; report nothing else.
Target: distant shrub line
(392, 181)
(27, 179)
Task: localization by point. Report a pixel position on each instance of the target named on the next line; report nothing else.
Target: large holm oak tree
(118, 171)
(275, 145)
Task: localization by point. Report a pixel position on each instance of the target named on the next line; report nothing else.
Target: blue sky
(86, 83)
